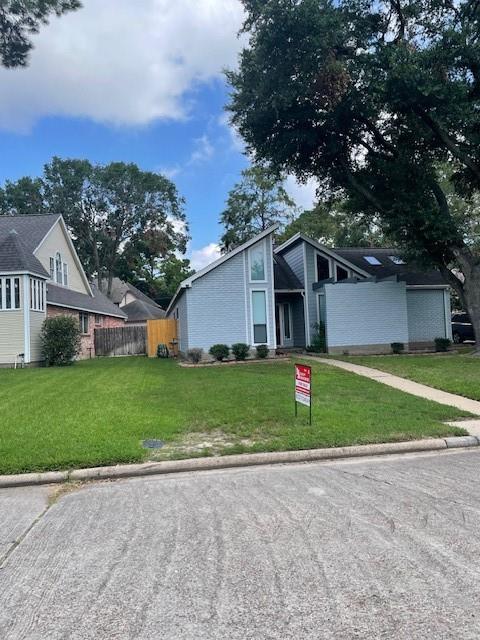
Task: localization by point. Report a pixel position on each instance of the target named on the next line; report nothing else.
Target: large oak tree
(374, 98)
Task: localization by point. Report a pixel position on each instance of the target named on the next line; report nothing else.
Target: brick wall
(87, 345)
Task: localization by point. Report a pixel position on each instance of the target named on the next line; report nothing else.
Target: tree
(108, 209)
(19, 20)
(334, 226)
(374, 98)
(255, 203)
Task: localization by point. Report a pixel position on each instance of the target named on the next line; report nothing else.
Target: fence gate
(161, 332)
(121, 341)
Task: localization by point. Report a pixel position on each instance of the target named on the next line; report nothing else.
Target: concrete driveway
(380, 548)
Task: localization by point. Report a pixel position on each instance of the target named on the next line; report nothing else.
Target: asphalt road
(380, 548)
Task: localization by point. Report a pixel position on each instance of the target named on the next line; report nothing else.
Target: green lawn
(97, 412)
(455, 373)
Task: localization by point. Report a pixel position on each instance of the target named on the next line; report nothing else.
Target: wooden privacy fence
(121, 341)
(161, 332)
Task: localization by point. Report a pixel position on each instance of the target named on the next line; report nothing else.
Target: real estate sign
(303, 384)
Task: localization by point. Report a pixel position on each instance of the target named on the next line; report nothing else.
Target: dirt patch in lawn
(199, 443)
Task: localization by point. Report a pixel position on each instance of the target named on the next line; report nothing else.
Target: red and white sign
(303, 384)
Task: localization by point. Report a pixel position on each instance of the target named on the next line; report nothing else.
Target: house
(137, 306)
(260, 294)
(41, 276)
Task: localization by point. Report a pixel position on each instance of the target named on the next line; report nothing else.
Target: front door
(283, 324)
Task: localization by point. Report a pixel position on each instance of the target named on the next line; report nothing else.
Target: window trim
(330, 266)
(64, 270)
(250, 249)
(3, 293)
(267, 318)
(83, 314)
(37, 295)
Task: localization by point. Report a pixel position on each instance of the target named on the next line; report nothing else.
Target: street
(375, 548)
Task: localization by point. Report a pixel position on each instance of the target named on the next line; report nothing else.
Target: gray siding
(366, 313)
(298, 321)
(180, 312)
(294, 259)
(219, 306)
(427, 311)
(311, 296)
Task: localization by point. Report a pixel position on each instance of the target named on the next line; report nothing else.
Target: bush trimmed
(60, 338)
(219, 351)
(442, 344)
(240, 350)
(262, 351)
(195, 355)
(397, 347)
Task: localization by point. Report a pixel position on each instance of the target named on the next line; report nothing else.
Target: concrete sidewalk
(415, 389)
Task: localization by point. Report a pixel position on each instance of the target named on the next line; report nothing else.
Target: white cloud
(203, 151)
(200, 258)
(122, 62)
(304, 195)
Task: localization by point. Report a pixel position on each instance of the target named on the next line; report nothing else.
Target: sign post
(303, 387)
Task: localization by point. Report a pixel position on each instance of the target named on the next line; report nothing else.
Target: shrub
(319, 342)
(240, 350)
(162, 351)
(60, 338)
(397, 347)
(195, 355)
(262, 351)
(219, 351)
(442, 344)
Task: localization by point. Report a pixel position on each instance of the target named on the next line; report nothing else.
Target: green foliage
(318, 342)
(334, 226)
(442, 344)
(240, 350)
(397, 347)
(110, 210)
(162, 351)
(262, 351)
(195, 355)
(19, 20)
(374, 100)
(60, 337)
(219, 351)
(255, 203)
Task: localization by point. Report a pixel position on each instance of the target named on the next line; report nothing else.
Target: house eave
(93, 311)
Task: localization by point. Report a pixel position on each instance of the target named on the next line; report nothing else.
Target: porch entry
(283, 324)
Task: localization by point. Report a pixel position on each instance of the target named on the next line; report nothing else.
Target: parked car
(462, 328)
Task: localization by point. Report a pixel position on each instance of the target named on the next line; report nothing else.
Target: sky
(135, 82)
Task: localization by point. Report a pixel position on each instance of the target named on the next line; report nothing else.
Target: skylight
(372, 260)
(396, 260)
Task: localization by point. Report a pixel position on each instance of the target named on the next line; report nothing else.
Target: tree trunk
(472, 301)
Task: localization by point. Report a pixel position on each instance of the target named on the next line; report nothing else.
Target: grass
(98, 412)
(450, 372)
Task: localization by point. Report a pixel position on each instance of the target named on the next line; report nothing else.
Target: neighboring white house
(41, 275)
(365, 299)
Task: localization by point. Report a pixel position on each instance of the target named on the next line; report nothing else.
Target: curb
(228, 462)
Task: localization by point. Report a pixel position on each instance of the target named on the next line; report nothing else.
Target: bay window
(9, 294)
(37, 294)
(259, 317)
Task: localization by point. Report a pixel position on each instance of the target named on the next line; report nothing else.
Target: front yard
(455, 373)
(98, 412)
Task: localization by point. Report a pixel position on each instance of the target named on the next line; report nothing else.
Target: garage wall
(427, 311)
(366, 316)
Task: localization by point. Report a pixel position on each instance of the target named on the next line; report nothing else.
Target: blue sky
(139, 82)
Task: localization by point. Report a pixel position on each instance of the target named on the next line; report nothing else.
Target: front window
(9, 294)
(257, 264)
(323, 268)
(98, 320)
(259, 315)
(65, 274)
(37, 294)
(342, 274)
(83, 322)
(58, 269)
